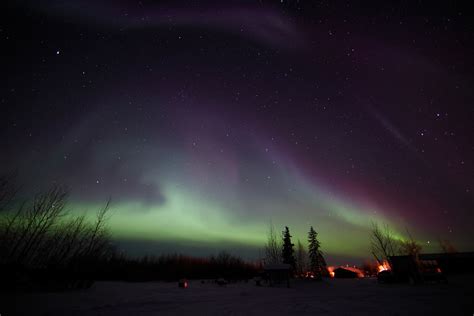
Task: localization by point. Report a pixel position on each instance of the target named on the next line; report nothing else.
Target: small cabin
(347, 273)
(277, 274)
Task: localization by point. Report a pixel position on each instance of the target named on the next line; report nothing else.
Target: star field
(204, 121)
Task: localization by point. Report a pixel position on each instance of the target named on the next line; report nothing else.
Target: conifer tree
(316, 260)
(288, 253)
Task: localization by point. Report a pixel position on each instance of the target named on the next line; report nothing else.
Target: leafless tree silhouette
(42, 234)
(301, 258)
(410, 246)
(272, 247)
(382, 244)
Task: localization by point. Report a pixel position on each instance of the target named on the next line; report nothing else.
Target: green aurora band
(220, 215)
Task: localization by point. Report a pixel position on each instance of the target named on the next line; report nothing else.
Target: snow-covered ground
(330, 297)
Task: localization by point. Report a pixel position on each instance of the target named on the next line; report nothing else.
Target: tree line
(171, 267)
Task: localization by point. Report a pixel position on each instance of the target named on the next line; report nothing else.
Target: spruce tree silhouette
(316, 260)
(288, 253)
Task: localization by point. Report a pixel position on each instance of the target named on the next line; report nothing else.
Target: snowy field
(331, 297)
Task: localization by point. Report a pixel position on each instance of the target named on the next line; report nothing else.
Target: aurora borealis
(205, 121)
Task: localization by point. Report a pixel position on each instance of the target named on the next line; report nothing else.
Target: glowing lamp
(183, 283)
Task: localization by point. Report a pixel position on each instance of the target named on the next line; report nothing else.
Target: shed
(277, 274)
(347, 273)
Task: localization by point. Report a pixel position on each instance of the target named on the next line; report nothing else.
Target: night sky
(206, 120)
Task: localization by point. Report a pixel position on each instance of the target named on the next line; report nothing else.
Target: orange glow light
(384, 266)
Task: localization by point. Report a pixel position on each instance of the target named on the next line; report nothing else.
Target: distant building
(432, 267)
(452, 263)
(277, 274)
(347, 273)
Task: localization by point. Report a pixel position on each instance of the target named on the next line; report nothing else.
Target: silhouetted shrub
(42, 247)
